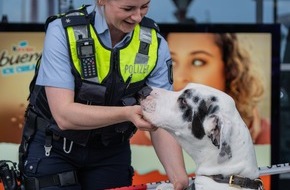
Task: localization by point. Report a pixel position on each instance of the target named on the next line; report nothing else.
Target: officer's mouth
(131, 24)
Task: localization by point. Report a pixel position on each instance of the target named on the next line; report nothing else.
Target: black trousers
(96, 166)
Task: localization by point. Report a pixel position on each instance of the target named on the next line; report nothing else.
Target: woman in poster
(217, 60)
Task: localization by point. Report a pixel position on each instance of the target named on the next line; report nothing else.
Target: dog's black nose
(140, 95)
(144, 92)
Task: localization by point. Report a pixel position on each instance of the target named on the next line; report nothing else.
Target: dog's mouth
(148, 104)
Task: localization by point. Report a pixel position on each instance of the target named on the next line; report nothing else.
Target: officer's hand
(180, 186)
(136, 117)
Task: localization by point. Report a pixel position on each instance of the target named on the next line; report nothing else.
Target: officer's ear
(101, 2)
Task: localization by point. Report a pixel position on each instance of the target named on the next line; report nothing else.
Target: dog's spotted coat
(209, 128)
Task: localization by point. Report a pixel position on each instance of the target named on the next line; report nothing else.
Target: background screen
(21, 46)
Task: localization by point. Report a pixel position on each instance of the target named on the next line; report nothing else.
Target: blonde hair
(242, 82)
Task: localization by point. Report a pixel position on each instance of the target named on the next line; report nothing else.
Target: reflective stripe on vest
(135, 63)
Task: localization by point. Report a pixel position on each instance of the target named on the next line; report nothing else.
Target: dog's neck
(243, 162)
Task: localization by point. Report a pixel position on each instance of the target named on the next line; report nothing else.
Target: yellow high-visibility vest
(135, 60)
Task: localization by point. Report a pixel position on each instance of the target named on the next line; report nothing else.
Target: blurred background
(196, 11)
(166, 11)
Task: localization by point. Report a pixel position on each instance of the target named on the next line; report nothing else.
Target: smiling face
(124, 15)
(196, 58)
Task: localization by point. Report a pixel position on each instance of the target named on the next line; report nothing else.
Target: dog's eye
(195, 99)
(213, 99)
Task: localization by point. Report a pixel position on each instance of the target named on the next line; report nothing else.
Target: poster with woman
(240, 60)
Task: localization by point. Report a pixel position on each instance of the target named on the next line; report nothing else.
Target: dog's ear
(219, 133)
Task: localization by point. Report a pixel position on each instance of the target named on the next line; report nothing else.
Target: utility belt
(106, 136)
(112, 135)
(61, 179)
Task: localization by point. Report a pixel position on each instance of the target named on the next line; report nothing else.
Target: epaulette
(73, 17)
(148, 22)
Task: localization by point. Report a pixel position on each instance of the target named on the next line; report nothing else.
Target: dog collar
(239, 181)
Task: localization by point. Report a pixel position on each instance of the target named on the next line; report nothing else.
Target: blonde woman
(79, 120)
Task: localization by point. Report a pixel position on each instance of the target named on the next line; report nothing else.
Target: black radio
(86, 54)
(9, 176)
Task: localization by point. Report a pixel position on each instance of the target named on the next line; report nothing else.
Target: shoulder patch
(75, 20)
(148, 22)
(74, 17)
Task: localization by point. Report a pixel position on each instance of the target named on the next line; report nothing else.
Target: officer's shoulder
(73, 17)
(150, 23)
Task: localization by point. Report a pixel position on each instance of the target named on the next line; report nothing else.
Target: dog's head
(198, 113)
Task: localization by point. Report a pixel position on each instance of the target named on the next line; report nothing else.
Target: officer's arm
(75, 116)
(170, 154)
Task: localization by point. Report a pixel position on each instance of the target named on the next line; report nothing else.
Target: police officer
(83, 107)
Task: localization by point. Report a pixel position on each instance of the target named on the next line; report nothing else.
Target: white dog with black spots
(209, 128)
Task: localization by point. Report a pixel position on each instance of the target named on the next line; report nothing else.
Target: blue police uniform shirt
(55, 67)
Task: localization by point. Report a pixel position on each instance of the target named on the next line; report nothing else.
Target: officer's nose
(137, 16)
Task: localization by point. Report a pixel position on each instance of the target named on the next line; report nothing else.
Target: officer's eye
(145, 6)
(127, 9)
